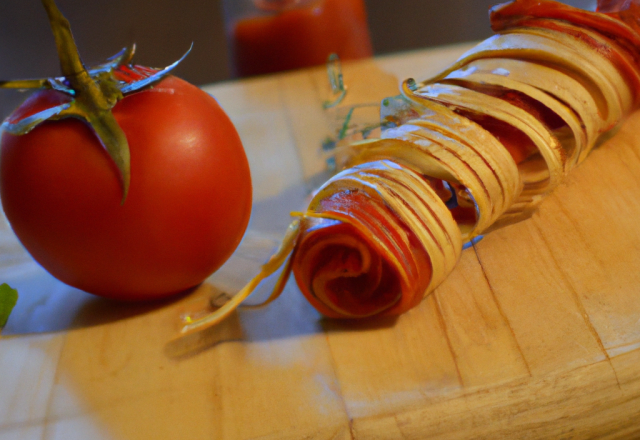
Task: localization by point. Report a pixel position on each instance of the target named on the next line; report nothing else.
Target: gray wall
(164, 29)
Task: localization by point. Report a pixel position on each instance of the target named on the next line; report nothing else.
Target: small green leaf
(8, 299)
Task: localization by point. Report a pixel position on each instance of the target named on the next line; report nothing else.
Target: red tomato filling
(616, 20)
(345, 268)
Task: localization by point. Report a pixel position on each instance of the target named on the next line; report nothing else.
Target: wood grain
(535, 335)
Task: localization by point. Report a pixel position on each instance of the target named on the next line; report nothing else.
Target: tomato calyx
(93, 92)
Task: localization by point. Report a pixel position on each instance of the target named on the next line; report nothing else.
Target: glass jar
(267, 36)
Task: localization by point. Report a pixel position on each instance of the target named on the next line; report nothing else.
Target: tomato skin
(188, 205)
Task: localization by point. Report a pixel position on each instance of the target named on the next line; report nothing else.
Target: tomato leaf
(29, 123)
(24, 84)
(139, 85)
(120, 59)
(115, 141)
(8, 300)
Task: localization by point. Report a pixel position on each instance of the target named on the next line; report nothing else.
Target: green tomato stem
(93, 94)
(93, 101)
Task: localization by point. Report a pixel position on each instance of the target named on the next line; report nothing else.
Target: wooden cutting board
(536, 334)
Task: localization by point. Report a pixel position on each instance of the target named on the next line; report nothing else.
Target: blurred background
(164, 29)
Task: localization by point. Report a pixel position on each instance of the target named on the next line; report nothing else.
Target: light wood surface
(536, 334)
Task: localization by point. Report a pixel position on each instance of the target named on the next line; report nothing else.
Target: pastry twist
(476, 148)
(473, 149)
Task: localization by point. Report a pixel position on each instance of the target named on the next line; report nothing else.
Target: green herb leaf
(8, 299)
(336, 81)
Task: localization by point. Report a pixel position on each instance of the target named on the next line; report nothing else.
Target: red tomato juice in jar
(296, 34)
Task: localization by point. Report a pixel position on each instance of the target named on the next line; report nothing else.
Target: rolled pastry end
(346, 271)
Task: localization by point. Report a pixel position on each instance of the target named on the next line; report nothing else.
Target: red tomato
(188, 205)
